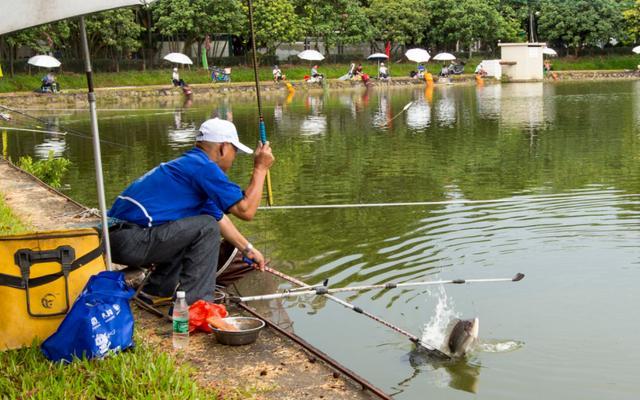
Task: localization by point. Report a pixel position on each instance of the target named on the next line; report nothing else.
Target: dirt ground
(274, 367)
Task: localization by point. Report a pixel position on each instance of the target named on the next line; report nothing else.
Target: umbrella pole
(96, 145)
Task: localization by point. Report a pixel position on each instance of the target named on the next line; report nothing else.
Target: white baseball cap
(218, 130)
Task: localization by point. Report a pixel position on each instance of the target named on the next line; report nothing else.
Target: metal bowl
(247, 333)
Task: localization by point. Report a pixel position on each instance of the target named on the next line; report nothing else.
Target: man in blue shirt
(174, 215)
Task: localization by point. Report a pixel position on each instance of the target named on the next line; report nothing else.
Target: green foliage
(337, 21)
(275, 22)
(398, 21)
(115, 30)
(142, 373)
(632, 19)
(580, 23)
(50, 171)
(468, 21)
(42, 39)
(194, 19)
(9, 223)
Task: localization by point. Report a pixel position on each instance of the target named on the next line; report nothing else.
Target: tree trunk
(11, 49)
(199, 55)
(144, 59)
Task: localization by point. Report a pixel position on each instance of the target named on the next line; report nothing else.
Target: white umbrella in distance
(636, 49)
(444, 57)
(26, 14)
(310, 55)
(378, 57)
(550, 52)
(178, 58)
(44, 61)
(418, 55)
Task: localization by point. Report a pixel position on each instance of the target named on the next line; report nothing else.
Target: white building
(522, 61)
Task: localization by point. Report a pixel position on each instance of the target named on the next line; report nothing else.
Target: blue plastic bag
(99, 323)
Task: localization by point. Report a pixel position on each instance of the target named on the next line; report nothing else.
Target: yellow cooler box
(41, 275)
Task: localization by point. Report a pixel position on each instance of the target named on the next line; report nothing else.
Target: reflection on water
(445, 106)
(52, 143)
(489, 99)
(562, 158)
(419, 114)
(459, 375)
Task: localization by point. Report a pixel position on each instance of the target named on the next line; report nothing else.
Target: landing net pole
(416, 340)
(102, 203)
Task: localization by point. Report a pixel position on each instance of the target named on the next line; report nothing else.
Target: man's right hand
(257, 258)
(263, 157)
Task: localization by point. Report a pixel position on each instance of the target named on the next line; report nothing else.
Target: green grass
(141, 373)
(69, 80)
(9, 223)
(618, 62)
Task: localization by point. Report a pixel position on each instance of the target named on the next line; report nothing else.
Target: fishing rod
(517, 199)
(323, 290)
(405, 108)
(262, 129)
(413, 338)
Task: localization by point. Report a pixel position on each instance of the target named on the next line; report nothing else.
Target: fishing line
(66, 130)
(105, 109)
(430, 203)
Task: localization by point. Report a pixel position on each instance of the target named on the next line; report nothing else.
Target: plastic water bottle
(180, 322)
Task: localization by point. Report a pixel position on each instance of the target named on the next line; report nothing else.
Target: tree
(42, 39)
(114, 33)
(336, 22)
(580, 23)
(398, 21)
(466, 22)
(632, 19)
(275, 22)
(190, 21)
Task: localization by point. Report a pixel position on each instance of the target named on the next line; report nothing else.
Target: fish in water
(462, 335)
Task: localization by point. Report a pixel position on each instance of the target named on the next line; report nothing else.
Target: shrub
(50, 171)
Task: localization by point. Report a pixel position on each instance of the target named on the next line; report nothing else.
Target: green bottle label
(180, 325)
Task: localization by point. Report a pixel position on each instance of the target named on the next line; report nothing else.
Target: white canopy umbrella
(29, 13)
(44, 61)
(549, 51)
(24, 14)
(311, 55)
(377, 56)
(636, 49)
(178, 58)
(418, 55)
(444, 57)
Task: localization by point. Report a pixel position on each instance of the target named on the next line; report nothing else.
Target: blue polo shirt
(187, 186)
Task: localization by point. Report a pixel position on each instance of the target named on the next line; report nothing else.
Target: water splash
(435, 331)
(499, 346)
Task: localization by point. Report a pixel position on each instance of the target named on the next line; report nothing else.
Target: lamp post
(533, 37)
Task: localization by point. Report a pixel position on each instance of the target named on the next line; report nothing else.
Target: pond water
(537, 178)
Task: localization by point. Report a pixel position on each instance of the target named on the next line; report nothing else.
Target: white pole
(96, 145)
